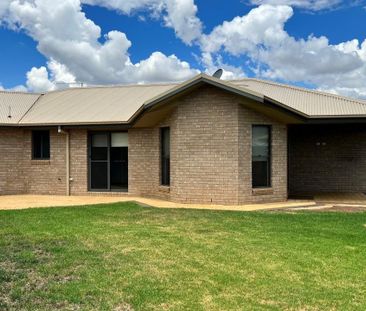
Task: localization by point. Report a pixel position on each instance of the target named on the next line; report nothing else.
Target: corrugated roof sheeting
(312, 103)
(19, 104)
(92, 105)
(118, 104)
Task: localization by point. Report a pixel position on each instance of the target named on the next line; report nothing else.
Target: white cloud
(159, 67)
(125, 6)
(181, 15)
(261, 36)
(312, 5)
(18, 88)
(4, 5)
(350, 92)
(38, 80)
(55, 76)
(76, 50)
(71, 43)
(212, 64)
(60, 73)
(245, 34)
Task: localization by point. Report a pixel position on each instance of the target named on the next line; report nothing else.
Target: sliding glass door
(108, 161)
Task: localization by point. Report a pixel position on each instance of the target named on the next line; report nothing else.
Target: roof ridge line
(110, 87)
(25, 113)
(19, 92)
(303, 89)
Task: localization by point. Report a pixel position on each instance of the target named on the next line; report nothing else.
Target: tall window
(261, 156)
(41, 145)
(165, 155)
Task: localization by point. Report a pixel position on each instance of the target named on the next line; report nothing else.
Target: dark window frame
(109, 143)
(269, 162)
(164, 161)
(44, 154)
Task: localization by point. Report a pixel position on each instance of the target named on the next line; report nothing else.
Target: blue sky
(34, 60)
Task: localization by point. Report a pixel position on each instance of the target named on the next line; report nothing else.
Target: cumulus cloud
(38, 81)
(212, 64)
(261, 36)
(125, 6)
(181, 15)
(18, 88)
(311, 5)
(246, 33)
(49, 78)
(77, 51)
(159, 67)
(72, 44)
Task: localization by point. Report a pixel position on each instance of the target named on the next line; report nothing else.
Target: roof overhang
(159, 107)
(337, 120)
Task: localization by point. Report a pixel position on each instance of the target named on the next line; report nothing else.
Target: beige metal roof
(312, 103)
(120, 104)
(178, 88)
(16, 104)
(108, 105)
(94, 105)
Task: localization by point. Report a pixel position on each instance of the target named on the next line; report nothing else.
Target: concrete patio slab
(10, 202)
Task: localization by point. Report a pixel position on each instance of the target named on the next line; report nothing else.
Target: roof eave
(202, 78)
(86, 123)
(333, 119)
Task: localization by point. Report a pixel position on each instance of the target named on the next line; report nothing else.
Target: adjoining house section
(202, 141)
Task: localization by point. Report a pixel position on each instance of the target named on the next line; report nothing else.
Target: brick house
(202, 141)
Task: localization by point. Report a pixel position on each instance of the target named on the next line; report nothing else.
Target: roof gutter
(337, 120)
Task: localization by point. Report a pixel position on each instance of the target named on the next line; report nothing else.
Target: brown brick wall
(329, 158)
(19, 174)
(205, 160)
(278, 191)
(11, 156)
(45, 176)
(143, 162)
(78, 162)
(210, 153)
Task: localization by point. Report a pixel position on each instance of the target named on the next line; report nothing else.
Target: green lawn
(127, 257)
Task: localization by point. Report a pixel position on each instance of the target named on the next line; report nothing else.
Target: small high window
(41, 145)
(165, 156)
(261, 156)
